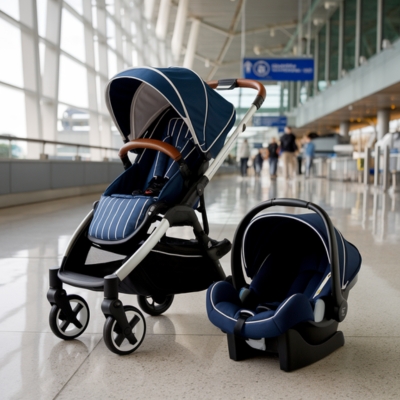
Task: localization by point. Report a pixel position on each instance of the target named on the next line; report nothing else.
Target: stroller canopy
(137, 96)
(303, 232)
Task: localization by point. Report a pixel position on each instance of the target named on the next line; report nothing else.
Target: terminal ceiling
(271, 28)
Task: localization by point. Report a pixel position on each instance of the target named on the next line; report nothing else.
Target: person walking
(258, 163)
(244, 154)
(273, 156)
(288, 153)
(309, 152)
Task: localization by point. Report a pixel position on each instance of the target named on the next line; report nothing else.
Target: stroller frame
(180, 215)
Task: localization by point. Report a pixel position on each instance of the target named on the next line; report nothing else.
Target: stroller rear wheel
(65, 327)
(155, 306)
(123, 342)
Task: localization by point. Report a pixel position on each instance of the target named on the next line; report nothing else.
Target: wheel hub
(127, 331)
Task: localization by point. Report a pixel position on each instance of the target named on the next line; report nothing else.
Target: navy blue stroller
(175, 125)
(301, 270)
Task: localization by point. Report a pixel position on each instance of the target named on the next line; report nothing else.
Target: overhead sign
(277, 121)
(279, 69)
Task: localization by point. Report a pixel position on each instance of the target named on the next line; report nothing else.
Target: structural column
(179, 29)
(31, 72)
(50, 85)
(345, 128)
(383, 122)
(94, 131)
(105, 133)
(192, 44)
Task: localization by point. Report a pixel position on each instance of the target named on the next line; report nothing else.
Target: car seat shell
(297, 264)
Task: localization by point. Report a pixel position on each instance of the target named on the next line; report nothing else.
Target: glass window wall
(72, 36)
(10, 7)
(65, 97)
(312, 53)
(368, 28)
(76, 4)
(73, 83)
(334, 46)
(41, 15)
(321, 58)
(391, 20)
(10, 44)
(349, 34)
(12, 106)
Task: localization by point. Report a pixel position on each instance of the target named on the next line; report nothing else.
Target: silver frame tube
(143, 250)
(78, 230)
(213, 168)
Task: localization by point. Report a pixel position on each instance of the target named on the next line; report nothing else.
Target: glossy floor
(183, 354)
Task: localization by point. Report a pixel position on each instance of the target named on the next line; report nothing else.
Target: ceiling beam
(228, 40)
(200, 57)
(266, 28)
(214, 28)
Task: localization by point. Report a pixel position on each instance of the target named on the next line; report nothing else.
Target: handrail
(53, 142)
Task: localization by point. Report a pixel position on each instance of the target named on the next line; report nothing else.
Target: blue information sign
(279, 69)
(278, 121)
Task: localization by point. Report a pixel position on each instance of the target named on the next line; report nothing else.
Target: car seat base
(293, 350)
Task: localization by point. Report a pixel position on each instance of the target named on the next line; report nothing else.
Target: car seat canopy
(299, 245)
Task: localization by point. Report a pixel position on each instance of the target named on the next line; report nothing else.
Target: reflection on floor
(183, 355)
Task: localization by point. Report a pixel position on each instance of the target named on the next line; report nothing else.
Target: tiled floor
(183, 355)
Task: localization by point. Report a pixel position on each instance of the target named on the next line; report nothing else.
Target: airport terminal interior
(65, 116)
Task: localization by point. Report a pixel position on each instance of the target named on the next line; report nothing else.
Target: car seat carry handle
(229, 84)
(340, 304)
(152, 144)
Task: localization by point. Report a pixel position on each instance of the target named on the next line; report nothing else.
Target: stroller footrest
(80, 280)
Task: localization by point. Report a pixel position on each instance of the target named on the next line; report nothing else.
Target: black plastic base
(293, 350)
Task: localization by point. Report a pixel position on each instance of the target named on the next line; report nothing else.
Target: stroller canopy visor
(137, 96)
(268, 232)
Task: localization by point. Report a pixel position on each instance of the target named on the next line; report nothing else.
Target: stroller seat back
(122, 208)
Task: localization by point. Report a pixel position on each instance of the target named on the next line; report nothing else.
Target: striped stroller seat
(153, 177)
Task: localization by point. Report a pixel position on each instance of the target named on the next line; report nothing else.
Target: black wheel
(155, 306)
(64, 327)
(116, 340)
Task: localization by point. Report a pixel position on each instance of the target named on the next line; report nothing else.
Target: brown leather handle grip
(152, 144)
(245, 83)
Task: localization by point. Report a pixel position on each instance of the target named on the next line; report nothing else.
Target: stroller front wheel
(70, 327)
(155, 306)
(121, 342)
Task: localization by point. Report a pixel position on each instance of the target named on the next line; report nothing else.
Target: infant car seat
(301, 269)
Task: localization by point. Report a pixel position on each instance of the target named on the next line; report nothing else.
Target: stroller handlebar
(152, 144)
(229, 84)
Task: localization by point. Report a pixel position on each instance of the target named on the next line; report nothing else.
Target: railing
(386, 166)
(44, 142)
(337, 168)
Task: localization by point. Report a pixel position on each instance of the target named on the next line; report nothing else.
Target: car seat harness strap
(243, 316)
